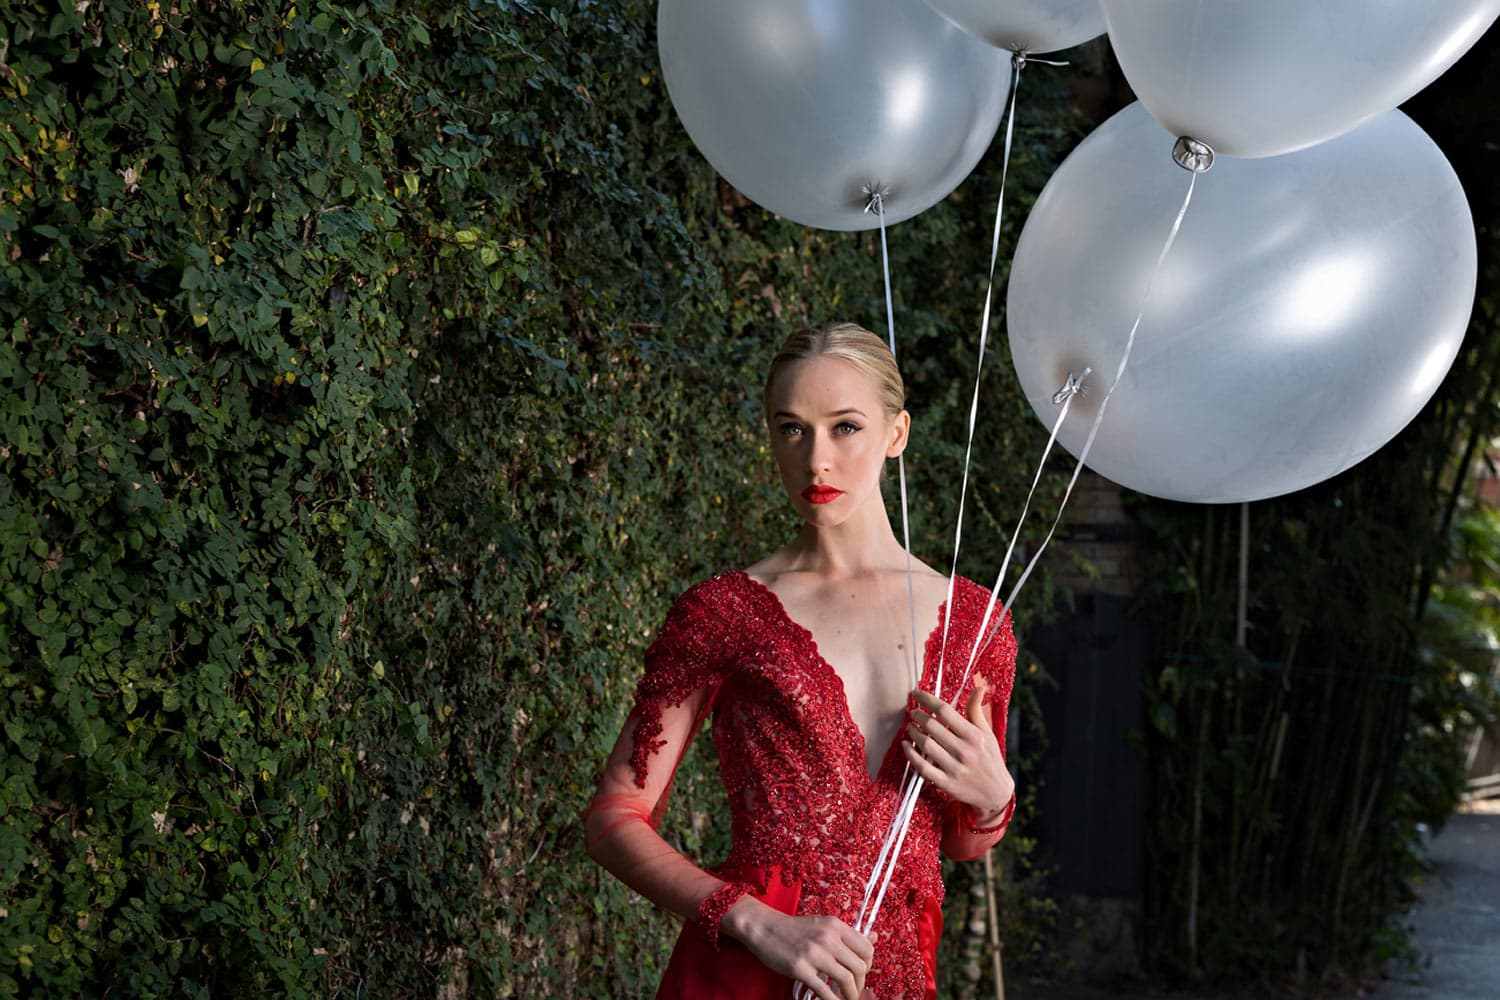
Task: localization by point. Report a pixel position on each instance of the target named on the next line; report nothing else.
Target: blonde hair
(851, 343)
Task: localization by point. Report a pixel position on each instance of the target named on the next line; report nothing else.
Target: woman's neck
(862, 543)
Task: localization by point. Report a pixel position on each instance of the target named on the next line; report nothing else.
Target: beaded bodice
(793, 760)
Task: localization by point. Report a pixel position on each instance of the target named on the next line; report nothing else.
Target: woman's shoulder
(982, 610)
(969, 589)
(703, 615)
(971, 599)
(720, 592)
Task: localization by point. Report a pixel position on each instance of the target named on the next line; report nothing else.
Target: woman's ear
(900, 429)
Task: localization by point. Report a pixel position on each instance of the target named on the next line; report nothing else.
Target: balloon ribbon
(876, 195)
(1073, 387)
(890, 850)
(1070, 390)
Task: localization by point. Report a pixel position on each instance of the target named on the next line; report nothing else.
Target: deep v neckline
(833, 677)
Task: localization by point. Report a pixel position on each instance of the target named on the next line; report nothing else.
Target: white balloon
(1264, 77)
(1031, 26)
(804, 105)
(1309, 308)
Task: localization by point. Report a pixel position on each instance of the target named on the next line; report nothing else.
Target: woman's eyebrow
(836, 413)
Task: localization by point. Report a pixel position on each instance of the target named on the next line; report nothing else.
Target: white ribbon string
(866, 918)
(902, 820)
(1074, 386)
(896, 834)
(1017, 63)
(877, 202)
(1088, 443)
(903, 815)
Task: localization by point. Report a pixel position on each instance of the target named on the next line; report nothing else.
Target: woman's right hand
(808, 949)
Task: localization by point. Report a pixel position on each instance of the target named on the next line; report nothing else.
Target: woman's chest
(870, 642)
(784, 711)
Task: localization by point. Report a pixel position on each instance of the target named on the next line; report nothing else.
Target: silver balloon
(806, 105)
(1272, 76)
(1310, 307)
(1026, 25)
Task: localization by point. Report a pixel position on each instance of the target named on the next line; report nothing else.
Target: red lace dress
(807, 820)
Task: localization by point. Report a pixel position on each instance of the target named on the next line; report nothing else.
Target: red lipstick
(821, 494)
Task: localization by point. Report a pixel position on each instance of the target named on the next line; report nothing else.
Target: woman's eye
(790, 429)
(847, 428)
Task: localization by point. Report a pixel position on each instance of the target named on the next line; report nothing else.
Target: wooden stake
(989, 899)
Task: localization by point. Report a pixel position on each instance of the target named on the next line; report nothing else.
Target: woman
(804, 660)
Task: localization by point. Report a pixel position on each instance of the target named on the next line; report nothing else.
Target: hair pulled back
(851, 343)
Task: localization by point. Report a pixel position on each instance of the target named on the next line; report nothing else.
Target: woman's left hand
(958, 755)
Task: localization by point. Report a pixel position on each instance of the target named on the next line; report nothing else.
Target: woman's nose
(820, 454)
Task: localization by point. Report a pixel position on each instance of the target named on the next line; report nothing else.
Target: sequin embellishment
(802, 802)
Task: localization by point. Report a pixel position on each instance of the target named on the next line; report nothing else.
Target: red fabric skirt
(697, 972)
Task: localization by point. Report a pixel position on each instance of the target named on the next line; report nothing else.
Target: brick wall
(1099, 532)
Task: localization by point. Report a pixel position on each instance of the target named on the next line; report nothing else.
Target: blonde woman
(804, 661)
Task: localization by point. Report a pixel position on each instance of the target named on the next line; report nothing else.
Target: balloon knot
(875, 196)
(1019, 60)
(1072, 387)
(1192, 154)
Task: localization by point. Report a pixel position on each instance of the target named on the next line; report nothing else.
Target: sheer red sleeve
(963, 837)
(684, 668)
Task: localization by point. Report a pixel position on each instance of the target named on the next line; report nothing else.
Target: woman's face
(831, 437)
